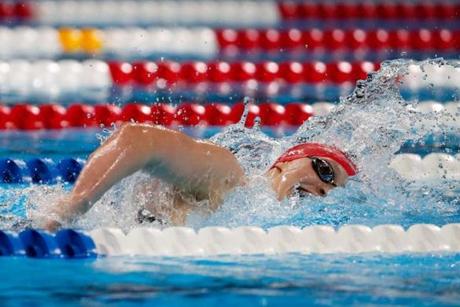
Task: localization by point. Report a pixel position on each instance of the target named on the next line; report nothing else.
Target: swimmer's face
(315, 176)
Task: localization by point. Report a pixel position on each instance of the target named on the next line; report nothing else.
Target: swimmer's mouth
(301, 192)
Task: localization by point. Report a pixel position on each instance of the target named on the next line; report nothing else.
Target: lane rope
(434, 166)
(206, 43)
(244, 240)
(54, 116)
(231, 13)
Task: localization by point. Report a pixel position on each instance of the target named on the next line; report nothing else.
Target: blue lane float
(69, 169)
(39, 244)
(74, 244)
(10, 172)
(40, 171)
(33, 243)
(11, 244)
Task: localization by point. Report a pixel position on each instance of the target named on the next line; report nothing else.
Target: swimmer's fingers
(52, 225)
(51, 219)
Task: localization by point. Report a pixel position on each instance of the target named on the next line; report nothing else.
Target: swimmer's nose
(322, 192)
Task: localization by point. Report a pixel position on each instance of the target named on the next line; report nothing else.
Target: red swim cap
(319, 150)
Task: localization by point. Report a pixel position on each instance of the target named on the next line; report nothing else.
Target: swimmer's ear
(277, 168)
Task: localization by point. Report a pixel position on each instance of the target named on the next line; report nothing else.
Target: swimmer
(198, 170)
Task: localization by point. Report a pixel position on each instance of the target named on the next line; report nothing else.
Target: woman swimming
(197, 170)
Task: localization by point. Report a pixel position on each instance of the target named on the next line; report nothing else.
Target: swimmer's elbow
(147, 143)
(136, 135)
(135, 132)
(129, 132)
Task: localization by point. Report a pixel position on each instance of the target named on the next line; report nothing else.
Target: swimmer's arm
(197, 167)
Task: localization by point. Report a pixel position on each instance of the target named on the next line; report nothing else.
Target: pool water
(293, 280)
(257, 280)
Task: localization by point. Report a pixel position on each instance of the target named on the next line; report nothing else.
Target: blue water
(292, 280)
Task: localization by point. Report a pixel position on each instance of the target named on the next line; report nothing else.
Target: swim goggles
(324, 170)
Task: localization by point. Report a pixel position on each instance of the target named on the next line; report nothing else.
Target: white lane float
(246, 240)
(46, 43)
(164, 12)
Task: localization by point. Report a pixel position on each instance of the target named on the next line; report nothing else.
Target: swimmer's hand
(52, 225)
(56, 215)
(48, 223)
